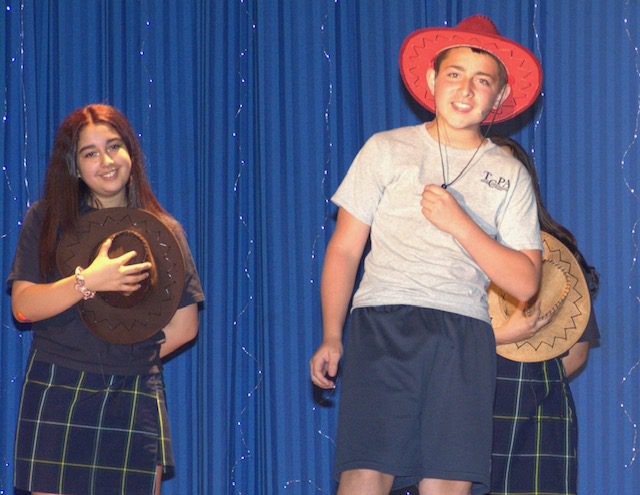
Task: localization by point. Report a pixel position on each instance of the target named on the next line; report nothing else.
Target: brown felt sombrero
(564, 295)
(420, 49)
(112, 316)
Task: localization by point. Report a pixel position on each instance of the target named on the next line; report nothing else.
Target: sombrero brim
(420, 49)
(569, 320)
(155, 310)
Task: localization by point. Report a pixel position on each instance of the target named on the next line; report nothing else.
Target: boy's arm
(517, 272)
(523, 324)
(341, 262)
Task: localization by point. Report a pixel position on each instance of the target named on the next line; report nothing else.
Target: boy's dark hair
(502, 71)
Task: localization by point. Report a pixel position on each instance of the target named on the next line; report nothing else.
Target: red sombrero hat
(420, 49)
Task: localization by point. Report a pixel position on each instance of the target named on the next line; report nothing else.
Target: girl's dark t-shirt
(65, 340)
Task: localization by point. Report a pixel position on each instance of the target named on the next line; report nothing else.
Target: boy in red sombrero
(446, 211)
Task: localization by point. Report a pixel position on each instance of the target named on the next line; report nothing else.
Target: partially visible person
(92, 414)
(535, 425)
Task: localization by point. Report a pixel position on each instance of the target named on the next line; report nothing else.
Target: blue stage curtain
(249, 113)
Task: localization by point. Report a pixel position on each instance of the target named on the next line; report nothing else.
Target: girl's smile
(104, 164)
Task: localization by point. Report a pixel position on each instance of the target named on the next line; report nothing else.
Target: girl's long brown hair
(547, 222)
(65, 192)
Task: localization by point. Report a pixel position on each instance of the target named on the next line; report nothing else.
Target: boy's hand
(324, 364)
(523, 324)
(442, 210)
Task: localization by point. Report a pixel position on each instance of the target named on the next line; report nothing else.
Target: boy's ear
(431, 80)
(502, 96)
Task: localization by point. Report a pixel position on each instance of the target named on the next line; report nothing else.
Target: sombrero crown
(420, 49)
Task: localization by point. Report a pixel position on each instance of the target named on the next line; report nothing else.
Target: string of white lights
(540, 101)
(310, 483)
(632, 190)
(327, 135)
(17, 60)
(237, 134)
(25, 123)
(630, 419)
(149, 78)
(5, 121)
(328, 149)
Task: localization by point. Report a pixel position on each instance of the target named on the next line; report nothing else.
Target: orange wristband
(22, 318)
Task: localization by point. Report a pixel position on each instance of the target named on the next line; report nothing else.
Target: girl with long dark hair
(92, 416)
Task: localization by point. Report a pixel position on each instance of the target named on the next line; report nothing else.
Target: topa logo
(501, 183)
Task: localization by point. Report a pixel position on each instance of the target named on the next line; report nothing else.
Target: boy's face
(466, 88)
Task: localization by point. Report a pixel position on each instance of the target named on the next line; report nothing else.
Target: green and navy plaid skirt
(86, 433)
(535, 430)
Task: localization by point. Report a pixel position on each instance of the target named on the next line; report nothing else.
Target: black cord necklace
(446, 184)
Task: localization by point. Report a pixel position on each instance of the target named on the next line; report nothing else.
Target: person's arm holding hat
(182, 328)
(32, 302)
(522, 324)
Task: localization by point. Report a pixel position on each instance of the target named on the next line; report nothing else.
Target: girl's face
(104, 164)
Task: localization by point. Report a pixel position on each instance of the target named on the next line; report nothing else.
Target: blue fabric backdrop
(250, 113)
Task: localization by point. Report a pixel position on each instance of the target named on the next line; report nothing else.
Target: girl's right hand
(113, 274)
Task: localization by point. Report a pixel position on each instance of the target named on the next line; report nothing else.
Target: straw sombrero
(112, 316)
(564, 296)
(420, 49)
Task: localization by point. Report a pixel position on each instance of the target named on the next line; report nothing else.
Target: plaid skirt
(535, 430)
(86, 433)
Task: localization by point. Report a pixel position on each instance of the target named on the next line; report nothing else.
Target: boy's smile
(466, 88)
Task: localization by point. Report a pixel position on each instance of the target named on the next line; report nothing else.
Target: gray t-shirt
(411, 261)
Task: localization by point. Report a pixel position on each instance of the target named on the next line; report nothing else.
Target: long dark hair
(547, 222)
(65, 193)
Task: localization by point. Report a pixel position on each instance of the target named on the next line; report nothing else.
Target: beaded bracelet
(80, 285)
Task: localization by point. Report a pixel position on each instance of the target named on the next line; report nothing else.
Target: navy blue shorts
(417, 395)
